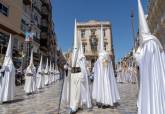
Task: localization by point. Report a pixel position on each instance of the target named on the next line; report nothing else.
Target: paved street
(46, 102)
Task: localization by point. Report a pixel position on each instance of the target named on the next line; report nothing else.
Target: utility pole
(132, 25)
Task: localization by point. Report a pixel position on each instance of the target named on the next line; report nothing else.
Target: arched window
(93, 43)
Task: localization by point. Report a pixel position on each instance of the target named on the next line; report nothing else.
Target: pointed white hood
(75, 47)
(102, 52)
(101, 41)
(47, 67)
(50, 67)
(80, 51)
(144, 31)
(31, 68)
(8, 56)
(143, 26)
(31, 58)
(40, 66)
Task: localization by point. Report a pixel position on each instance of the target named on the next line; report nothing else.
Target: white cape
(46, 76)
(40, 78)
(57, 74)
(84, 86)
(66, 87)
(30, 81)
(7, 83)
(119, 74)
(152, 79)
(105, 89)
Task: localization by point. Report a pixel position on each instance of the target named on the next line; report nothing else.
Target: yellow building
(156, 19)
(89, 33)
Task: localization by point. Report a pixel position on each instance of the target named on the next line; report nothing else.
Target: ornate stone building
(156, 19)
(89, 33)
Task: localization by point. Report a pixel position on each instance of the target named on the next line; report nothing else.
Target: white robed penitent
(30, 77)
(78, 86)
(105, 89)
(7, 76)
(50, 73)
(151, 60)
(119, 73)
(66, 87)
(46, 74)
(57, 73)
(85, 95)
(40, 76)
(53, 77)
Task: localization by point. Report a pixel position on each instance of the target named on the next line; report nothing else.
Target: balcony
(36, 55)
(44, 11)
(44, 35)
(44, 23)
(37, 8)
(27, 2)
(46, 3)
(44, 29)
(90, 53)
(36, 39)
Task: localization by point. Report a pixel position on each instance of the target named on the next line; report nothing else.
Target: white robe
(105, 89)
(40, 79)
(76, 92)
(66, 88)
(84, 86)
(50, 77)
(119, 75)
(132, 73)
(53, 76)
(46, 76)
(30, 81)
(57, 75)
(75, 83)
(152, 79)
(7, 83)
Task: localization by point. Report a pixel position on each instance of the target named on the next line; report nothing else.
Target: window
(15, 44)
(0, 7)
(93, 43)
(4, 39)
(3, 9)
(23, 25)
(93, 31)
(84, 50)
(82, 33)
(105, 47)
(104, 32)
(20, 46)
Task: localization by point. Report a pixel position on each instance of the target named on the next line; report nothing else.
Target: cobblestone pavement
(47, 100)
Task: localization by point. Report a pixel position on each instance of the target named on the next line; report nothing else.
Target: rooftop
(93, 22)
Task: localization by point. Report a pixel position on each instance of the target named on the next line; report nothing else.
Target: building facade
(10, 23)
(31, 21)
(156, 19)
(89, 33)
(18, 17)
(48, 43)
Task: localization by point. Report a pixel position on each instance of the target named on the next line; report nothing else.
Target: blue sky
(115, 11)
